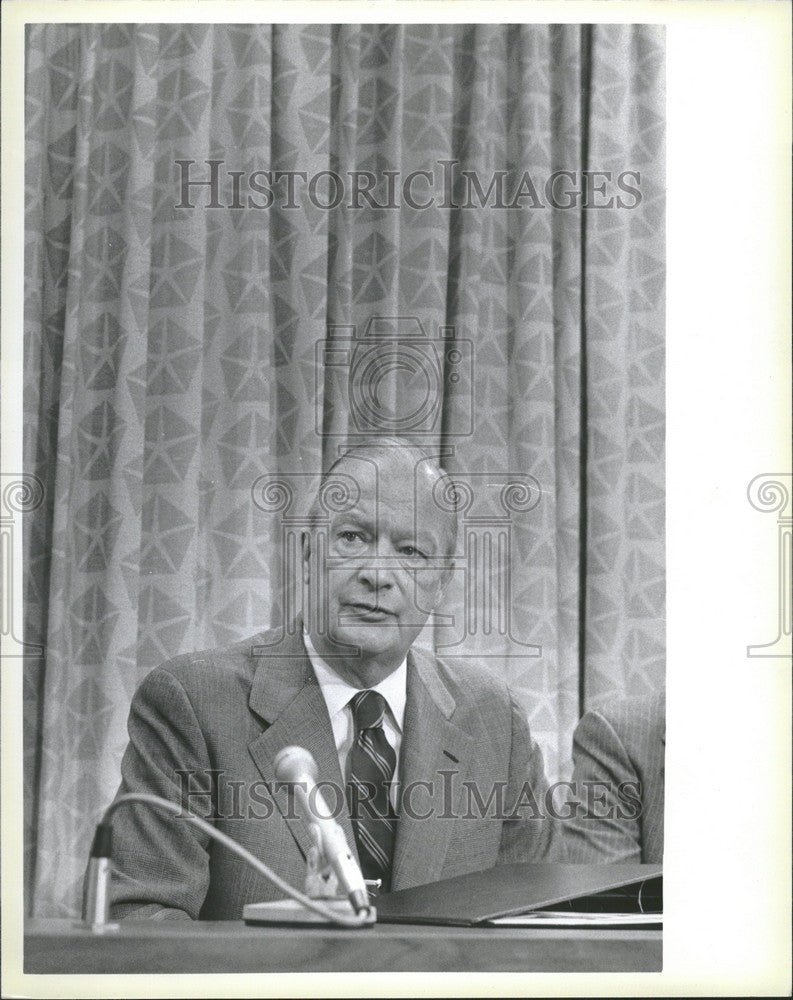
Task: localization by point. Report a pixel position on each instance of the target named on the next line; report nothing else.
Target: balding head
(395, 466)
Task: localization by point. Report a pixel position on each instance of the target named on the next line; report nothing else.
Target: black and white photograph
(342, 510)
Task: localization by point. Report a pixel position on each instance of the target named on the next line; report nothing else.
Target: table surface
(63, 947)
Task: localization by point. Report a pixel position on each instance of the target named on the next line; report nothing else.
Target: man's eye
(412, 552)
(350, 537)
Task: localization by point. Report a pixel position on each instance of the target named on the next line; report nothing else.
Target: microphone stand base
(290, 912)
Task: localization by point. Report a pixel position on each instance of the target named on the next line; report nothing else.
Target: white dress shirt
(337, 693)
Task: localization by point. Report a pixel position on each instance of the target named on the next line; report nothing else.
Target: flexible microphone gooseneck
(97, 895)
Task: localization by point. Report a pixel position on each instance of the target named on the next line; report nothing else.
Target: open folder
(546, 895)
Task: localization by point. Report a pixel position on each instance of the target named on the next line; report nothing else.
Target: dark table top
(63, 946)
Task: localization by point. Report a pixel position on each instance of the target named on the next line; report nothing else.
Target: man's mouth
(366, 611)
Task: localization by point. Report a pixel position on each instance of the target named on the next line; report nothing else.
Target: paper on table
(550, 918)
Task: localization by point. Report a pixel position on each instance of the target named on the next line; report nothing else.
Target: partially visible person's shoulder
(646, 712)
(638, 721)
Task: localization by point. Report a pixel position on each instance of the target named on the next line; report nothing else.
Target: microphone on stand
(296, 768)
(329, 835)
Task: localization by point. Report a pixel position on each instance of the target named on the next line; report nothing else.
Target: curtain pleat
(179, 399)
(624, 285)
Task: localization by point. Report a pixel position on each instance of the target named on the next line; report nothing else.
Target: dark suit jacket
(623, 743)
(225, 714)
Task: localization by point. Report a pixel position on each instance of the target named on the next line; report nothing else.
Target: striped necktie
(372, 766)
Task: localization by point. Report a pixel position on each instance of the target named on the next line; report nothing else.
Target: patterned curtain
(175, 355)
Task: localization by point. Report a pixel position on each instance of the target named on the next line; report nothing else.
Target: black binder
(509, 890)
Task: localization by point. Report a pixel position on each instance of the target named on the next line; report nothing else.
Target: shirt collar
(337, 691)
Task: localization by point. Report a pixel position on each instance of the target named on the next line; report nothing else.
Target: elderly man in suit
(430, 768)
(618, 758)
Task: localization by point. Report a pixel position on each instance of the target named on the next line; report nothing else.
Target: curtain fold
(175, 358)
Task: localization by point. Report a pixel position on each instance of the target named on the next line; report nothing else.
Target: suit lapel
(285, 693)
(431, 744)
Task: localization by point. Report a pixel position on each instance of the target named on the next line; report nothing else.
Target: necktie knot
(368, 710)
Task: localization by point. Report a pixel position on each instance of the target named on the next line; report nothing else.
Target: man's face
(382, 576)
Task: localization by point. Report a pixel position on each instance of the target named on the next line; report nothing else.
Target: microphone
(296, 767)
(96, 897)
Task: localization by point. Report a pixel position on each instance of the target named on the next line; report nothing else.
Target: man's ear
(305, 545)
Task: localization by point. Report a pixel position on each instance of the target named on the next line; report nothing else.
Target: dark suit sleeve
(534, 834)
(161, 863)
(606, 826)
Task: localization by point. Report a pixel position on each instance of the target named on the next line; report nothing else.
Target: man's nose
(376, 575)
(377, 571)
